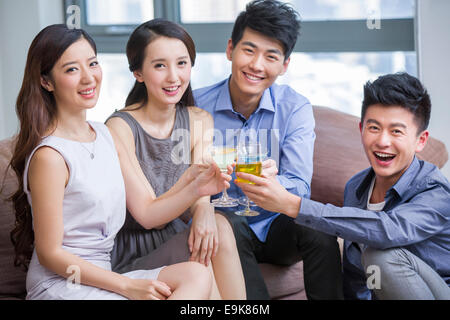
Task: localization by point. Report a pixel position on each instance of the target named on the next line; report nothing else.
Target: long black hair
(36, 110)
(141, 37)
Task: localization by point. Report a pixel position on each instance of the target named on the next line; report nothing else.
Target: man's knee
(391, 265)
(325, 242)
(380, 258)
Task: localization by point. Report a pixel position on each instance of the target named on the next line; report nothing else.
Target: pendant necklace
(91, 154)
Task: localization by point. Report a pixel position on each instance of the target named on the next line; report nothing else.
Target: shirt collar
(401, 186)
(365, 183)
(406, 180)
(224, 99)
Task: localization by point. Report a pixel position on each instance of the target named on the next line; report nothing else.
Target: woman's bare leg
(188, 281)
(215, 294)
(227, 265)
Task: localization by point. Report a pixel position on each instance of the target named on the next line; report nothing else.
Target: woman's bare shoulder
(198, 113)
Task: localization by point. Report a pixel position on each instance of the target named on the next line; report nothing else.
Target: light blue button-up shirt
(416, 216)
(284, 124)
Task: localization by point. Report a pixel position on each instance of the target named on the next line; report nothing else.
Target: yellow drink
(251, 168)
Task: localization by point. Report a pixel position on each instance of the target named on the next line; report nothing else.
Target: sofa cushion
(338, 154)
(282, 281)
(12, 279)
(434, 152)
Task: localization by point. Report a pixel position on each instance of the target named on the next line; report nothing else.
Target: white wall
(20, 21)
(433, 48)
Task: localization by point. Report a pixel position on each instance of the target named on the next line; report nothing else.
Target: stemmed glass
(244, 200)
(249, 160)
(224, 156)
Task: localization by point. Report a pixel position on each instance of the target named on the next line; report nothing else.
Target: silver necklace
(91, 154)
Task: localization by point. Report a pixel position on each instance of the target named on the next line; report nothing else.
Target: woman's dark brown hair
(141, 37)
(36, 110)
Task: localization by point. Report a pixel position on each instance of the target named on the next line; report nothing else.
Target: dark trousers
(287, 243)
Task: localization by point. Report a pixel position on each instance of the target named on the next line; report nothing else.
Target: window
(116, 84)
(123, 12)
(342, 45)
(210, 11)
(327, 79)
(214, 11)
(319, 10)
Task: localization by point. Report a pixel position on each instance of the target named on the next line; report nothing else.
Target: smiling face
(390, 138)
(76, 77)
(257, 61)
(166, 71)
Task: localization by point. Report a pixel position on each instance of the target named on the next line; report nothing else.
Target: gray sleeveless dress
(163, 161)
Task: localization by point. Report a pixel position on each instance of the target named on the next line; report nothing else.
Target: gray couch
(338, 139)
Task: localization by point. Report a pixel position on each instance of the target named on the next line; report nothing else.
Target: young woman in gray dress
(163, 132)
(75, 181)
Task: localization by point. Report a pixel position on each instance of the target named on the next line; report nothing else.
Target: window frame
(315, 36)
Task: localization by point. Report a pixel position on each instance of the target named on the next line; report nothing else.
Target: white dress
(94, 210)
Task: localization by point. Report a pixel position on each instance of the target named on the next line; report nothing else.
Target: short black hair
(271, 18)
(399, 89)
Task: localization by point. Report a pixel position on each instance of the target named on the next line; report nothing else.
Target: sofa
(338, 155)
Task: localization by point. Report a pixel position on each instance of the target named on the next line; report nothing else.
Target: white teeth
(171, 89)
(87, 92)
(252, 77)
(384, 155)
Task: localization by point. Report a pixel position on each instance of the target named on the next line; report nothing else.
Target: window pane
(202, 11)
(354, 9)
(329, 79)
(104, 12)
(116, 84)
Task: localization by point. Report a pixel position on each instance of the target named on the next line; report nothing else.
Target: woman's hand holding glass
(224, 157)
(210, 179)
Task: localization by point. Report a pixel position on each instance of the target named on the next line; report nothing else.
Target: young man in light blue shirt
(250, 103)
(396, 214)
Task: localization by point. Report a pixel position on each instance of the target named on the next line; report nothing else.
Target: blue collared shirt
(283, 122)
(416, 217)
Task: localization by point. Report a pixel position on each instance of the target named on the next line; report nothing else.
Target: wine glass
(249, 160)
(223, 156)
(244, 200)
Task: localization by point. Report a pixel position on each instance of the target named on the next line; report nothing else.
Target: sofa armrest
(12, 279)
